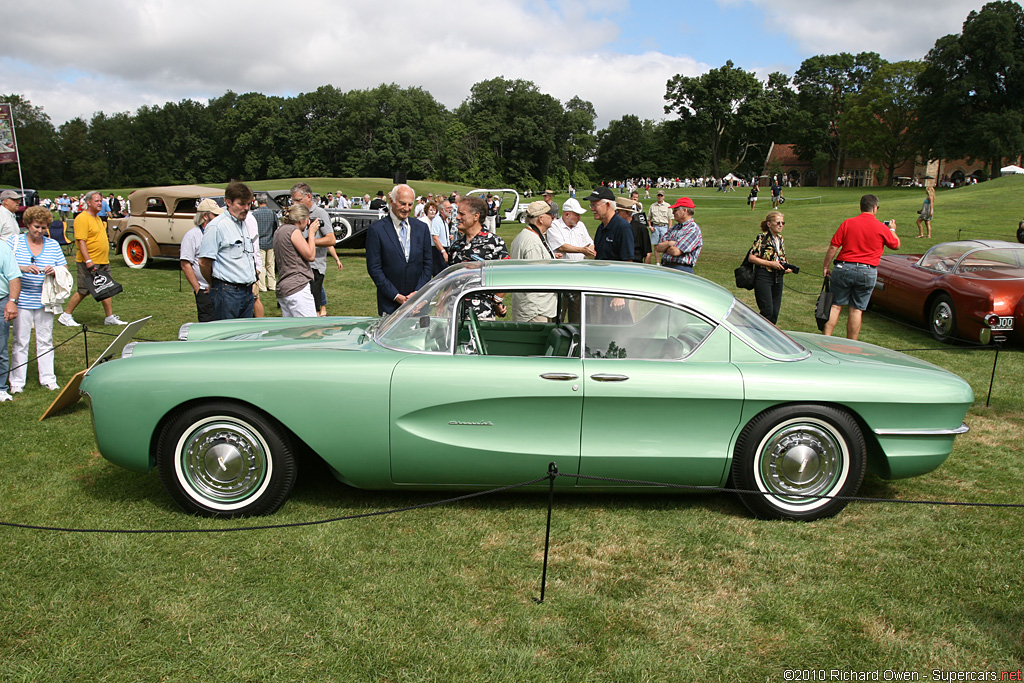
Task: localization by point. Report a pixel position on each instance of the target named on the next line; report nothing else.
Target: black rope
(55, 347)
(263, 527)
(720, 489)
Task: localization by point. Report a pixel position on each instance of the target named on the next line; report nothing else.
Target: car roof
(611, 276)
(137, 200)
(984, 244)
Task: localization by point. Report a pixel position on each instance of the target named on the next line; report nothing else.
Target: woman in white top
(37, 256)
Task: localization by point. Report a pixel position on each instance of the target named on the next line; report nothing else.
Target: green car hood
(344, 330)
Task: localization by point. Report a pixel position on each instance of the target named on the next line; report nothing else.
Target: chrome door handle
(604, 377)
(560, 376)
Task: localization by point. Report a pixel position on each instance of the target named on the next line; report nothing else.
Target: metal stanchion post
(85, 338)
(992, 379)
(552, 472)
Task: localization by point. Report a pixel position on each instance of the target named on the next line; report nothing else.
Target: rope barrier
(289, 525)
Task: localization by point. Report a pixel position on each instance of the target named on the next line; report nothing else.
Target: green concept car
(633, 372)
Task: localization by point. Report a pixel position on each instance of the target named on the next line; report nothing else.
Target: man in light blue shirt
(10, 289)
(227, 257)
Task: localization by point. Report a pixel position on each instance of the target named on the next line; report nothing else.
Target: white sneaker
(52, 386)
(67, 320)
(15, 389)
(4, 396)
(113, 320)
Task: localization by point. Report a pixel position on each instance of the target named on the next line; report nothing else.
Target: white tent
(732, 177)
(1012, 168)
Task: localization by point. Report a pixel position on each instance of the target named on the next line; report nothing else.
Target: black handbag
(823, 308)
(102, 286)
(745, 274)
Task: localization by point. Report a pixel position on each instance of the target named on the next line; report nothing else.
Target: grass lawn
(640, 588)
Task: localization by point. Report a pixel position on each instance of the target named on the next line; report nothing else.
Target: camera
(886, 223)
(789, 266)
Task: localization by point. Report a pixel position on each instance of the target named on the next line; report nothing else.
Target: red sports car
(969, 289)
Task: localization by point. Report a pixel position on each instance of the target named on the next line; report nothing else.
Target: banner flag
(8, 147)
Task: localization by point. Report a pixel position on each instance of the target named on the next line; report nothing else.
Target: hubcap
(942, 319)
(802, 457)
(222, 461)
(135, 252)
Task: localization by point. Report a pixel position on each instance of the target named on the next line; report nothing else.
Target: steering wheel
(474, 333)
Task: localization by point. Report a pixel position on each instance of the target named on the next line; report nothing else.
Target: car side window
(624, 327)
(186, 205)
(156, 205)
(519, 323)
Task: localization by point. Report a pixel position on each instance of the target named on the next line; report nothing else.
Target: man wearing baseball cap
(613, 240)
(11, 200)
(568, 236)
(660, 215)
(549, 197)
(683, 241)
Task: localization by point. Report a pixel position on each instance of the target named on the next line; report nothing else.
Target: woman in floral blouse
(769, 258)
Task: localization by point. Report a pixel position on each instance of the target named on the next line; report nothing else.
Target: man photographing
(859, 242)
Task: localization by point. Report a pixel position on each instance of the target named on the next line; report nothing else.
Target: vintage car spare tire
(342, 229)
(134, 251)
(223, 459)
(797, 458)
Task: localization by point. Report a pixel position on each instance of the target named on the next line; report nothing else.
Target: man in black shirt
(614, 238)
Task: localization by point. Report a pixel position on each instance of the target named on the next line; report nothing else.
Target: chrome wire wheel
(943, 318)
(223, 461)
(800, 459)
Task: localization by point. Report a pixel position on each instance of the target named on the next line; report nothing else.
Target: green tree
(625, 149)
(879, 121)
(973, 88)
(823, 83)
(579, 140)
(515, 128)
(717, 108)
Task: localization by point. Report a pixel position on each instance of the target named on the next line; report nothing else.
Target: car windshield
(423, 322)
(943, 257)
(762, 335)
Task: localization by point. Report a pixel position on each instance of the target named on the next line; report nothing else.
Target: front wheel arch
(793, 449)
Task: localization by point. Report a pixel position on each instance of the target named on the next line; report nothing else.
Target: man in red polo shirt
(859, 241)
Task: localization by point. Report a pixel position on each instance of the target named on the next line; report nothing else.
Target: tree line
(965, 99)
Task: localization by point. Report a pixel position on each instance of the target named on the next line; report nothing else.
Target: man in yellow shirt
(93, 255)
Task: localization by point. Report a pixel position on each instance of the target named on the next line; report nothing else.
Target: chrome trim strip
(962, 429)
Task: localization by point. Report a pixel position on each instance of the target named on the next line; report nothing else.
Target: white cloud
(118, 55)
(151, 52)
(896, 30)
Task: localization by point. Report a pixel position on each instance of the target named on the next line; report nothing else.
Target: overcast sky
(117, 55)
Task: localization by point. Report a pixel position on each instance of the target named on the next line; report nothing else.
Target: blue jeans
(5, 333)
(676, 266)
(231, 301)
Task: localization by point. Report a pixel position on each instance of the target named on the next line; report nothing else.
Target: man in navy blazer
(398, 252)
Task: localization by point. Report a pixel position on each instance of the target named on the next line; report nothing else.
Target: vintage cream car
(157, 220)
